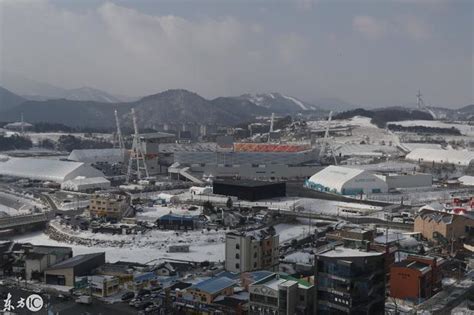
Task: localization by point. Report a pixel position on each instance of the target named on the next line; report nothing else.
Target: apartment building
(110, 206)
(251, 250)
(443, 226)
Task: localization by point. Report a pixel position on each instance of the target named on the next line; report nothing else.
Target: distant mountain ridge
(8, 99)
(39, 91)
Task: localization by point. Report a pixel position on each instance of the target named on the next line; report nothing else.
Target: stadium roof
(441, 156)
(97, 155)
(46, 169)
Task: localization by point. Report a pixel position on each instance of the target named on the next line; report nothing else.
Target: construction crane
(271, 127)
(421, 105)
(119, 139)
(137, 156)
(326, 142)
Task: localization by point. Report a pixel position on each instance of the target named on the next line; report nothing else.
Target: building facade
(111, 206)
(349, 281)
(442, 226)
(248, 251)
(416, 278)
(280, 294)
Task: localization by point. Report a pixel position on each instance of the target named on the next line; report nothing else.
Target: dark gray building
(349, 281)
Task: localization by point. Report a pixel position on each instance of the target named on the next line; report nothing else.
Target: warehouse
(439, 156)
(346, 181)
(46, 169)
(249, 189)
(86, 184)
(65, 272)
(407, 180)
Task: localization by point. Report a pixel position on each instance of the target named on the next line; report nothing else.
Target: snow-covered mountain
(279, 103)
(39, 91)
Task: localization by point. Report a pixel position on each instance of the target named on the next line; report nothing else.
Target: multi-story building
(280, 294)
(251, 250)
(443, 226)
(110, 206)
(416, 278)
(151, 145)
(349, 281)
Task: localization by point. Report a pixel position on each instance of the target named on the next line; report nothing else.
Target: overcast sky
(365, 52)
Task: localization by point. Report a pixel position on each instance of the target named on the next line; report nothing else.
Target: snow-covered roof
(97, 155)
(46, 169)
(341, 252)
(87, 181)
(457, 157)
(335, 176)
(365, 150)
(466, 180)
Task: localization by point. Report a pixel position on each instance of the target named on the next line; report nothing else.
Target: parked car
(128, 296)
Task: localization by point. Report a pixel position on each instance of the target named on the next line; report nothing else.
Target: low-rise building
(415, 278)
(176, 222)
(103, 286)
(111, 206)
(251, 250)
(279, 294)
(206, 291)
(38, 258)
(442, 226)
(86, 184)
(65, 272)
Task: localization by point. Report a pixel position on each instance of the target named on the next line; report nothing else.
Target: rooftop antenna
(136, 154)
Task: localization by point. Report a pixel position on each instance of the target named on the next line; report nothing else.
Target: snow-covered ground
(153, 213)
(362, 130)
(204, 245)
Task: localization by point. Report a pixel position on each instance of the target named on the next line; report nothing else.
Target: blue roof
(227, 274)
(260, 274)
(214, 285)
(174, 217)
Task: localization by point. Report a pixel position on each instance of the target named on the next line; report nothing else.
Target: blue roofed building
(176, 222)
(206, 291)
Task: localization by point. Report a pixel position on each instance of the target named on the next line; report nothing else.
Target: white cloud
(131, 52)
(407, 26)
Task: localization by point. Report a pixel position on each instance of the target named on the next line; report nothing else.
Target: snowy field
(465, 129)
(363, 130)
(152, 246)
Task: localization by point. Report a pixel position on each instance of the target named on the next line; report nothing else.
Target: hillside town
(203, 157)
(330, 216)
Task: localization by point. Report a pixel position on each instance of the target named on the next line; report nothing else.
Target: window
(237, 246)
(237, 266)
(237, 256)
(255, 255)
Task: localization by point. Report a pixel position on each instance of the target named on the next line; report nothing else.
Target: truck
(84, 299)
